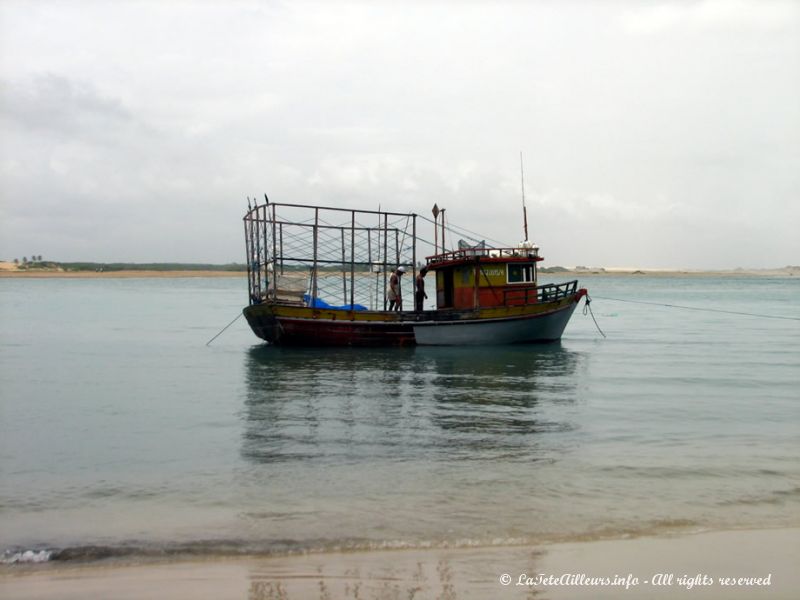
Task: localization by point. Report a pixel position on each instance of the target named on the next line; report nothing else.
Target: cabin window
(521, 273)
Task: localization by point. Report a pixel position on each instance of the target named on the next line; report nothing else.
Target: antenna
(524, 209)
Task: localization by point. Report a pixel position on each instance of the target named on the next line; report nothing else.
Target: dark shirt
(420, 284)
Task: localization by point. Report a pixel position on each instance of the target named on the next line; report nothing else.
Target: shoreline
(613, 272)
(117, 274)
(543, 275)
(630, 568)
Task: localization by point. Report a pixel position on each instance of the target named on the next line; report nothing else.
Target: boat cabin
(470, 278)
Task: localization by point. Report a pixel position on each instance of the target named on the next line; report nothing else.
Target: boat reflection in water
(407, 404)
(361, 448)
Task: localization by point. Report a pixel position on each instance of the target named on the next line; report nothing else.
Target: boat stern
(263, 322)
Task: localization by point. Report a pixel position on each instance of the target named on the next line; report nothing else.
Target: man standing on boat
(393, 293)
(419, 294)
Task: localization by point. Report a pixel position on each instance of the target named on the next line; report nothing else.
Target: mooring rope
(716, 310)
(587, 307)
(224, 328)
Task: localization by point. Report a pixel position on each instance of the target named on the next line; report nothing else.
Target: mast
(443, 248)
(524, 209)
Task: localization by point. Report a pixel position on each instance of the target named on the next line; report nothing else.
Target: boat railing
(464, 253)
(544, 293)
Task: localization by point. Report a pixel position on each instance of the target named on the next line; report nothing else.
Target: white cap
(401, 269)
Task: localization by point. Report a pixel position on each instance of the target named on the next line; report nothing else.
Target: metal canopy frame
(335, 252)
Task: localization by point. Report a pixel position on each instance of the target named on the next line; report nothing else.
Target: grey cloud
(57, 104)
(642, 131)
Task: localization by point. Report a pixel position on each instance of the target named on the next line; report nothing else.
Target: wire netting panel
(340, 257)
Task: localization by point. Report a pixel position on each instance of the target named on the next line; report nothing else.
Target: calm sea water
(121, 432)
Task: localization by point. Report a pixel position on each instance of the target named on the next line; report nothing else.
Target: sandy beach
(644, 272)
(727, 564)
(580, 272)
(50, 274)
(117, 274)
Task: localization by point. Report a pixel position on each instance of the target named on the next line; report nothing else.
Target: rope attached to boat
(716, 310)
(224, 328)
(587, 307)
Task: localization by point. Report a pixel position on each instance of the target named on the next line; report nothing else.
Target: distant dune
(788, 271)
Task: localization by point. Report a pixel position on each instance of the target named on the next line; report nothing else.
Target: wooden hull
(303, 326)
(270, 323)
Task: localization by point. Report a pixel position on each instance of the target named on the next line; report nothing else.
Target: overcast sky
(655, 134)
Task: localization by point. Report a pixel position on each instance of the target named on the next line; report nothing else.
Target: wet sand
(475, 573)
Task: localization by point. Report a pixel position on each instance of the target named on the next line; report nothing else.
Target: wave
(775, 497)
(229, 548)
(137, 551)
(25, 556)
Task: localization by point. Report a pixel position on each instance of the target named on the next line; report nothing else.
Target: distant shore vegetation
(97, 267)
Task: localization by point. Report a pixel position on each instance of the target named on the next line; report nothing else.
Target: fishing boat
(323, 276)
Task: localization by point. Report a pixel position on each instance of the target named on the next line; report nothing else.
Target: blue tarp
(319, 303)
